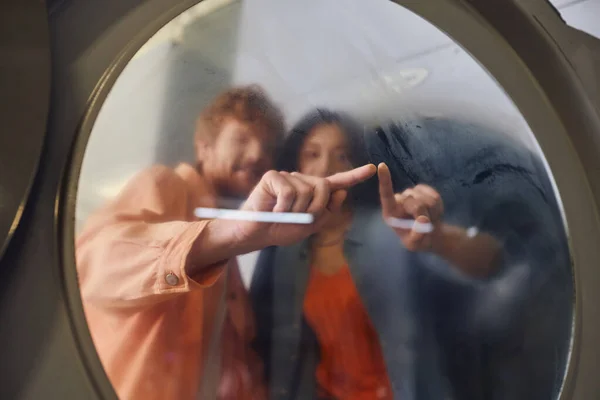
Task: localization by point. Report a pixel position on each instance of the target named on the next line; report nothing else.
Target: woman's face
(324, 152)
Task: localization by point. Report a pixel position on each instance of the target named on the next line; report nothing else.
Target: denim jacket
(387, 279)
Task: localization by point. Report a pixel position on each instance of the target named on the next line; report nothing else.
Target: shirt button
(171, 279)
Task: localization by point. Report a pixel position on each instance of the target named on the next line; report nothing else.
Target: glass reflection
(384, 244)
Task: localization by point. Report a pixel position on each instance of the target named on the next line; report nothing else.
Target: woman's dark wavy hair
(365, 194)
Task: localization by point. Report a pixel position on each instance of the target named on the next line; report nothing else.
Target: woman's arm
(477, 255)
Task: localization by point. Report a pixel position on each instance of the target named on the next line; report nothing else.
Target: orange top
(151, 323)
(352, 366)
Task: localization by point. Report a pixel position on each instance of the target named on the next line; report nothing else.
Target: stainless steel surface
(25, 89)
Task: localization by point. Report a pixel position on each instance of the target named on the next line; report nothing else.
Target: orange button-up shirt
(151, 323)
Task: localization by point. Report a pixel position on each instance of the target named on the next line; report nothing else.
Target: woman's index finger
(386, 189)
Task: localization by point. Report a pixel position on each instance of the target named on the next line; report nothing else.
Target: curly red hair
(248, 104)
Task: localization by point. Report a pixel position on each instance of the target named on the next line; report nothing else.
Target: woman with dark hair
(342, 314)
(340, 130)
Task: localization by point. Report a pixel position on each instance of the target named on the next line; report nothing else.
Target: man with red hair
(162, 292)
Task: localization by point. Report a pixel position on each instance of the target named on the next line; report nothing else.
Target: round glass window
(295, 200)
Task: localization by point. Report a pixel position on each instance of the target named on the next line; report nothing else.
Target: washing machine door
(440, 332)
(25, 71)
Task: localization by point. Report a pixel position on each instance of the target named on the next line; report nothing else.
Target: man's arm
(141, 249)
(134, 251)
(279, 192)
(218, 242)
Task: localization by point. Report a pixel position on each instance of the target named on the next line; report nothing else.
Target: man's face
(237, 158)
